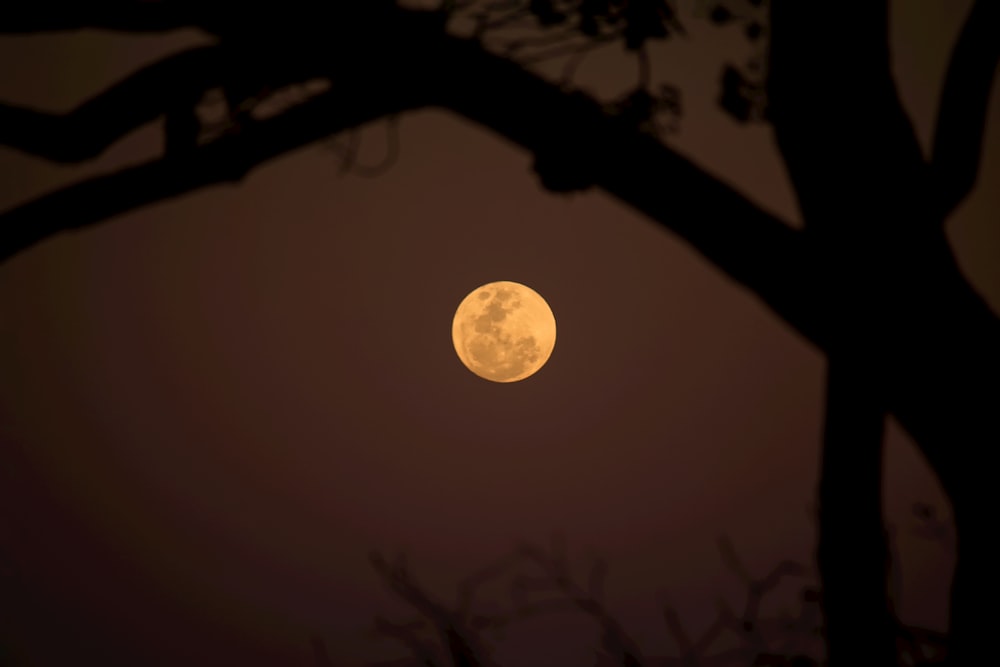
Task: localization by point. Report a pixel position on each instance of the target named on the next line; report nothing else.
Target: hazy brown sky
(213, 408)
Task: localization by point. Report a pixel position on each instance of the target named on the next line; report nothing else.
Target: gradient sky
(213, 408)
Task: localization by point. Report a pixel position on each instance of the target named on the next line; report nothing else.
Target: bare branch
(227, 159)
(615, 641)
(756, 635)
(421, 648)
(748, 627)
(683, 640)
(456, 631)
(732, 560)
(468, 586)
(398, 578)
(176, 81)
(961, 122)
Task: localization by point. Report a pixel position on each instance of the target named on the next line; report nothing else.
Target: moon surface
(504, 331)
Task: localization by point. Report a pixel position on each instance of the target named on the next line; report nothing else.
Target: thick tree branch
(961, 122)
(841, 128)
(574, 133)
(174, 84)
(933, 336)
(348, 105)
(271, 30)
(753, 247)
(297, 48)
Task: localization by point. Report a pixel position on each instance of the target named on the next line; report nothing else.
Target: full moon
(503, 331)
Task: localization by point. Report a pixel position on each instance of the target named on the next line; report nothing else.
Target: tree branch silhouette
(352, 102)
(616, 644)
(750, 626)
(862, 186)
(757, 636)
(961, 121)
(871, 281)
(789, 638)
(174, 83)
(457, 628)
(819, 131)
(754, 247)
(572, 133)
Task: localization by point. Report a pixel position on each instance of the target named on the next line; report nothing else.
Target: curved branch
(750, 245)
(753, 247)
(455, 635)
(961, 122)
(226, 159)
(176, 82)
(615, 640)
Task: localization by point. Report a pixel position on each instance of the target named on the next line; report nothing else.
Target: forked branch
(227, 159)
(838, 120)
(171, 85)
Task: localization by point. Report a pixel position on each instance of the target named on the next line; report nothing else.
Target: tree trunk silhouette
(852, 554)
(871, 281)
(872, 203)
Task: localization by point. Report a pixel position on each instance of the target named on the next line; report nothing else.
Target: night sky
(213, 408)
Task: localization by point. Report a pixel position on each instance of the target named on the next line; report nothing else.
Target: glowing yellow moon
(504, 331)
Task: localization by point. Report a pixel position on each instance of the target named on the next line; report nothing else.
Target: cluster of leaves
(742, 93)
(655, 112)
(742, 97)
(549, 29)
(634, 21)
(568, 28)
